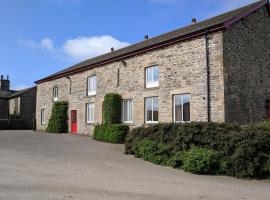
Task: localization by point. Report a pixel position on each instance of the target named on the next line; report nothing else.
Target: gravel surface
(37, 166)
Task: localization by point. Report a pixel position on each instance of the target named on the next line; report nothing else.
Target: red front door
(74, 121)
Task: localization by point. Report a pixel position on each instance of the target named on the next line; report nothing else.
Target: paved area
(48, 166)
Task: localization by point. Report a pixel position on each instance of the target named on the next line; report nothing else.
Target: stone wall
(3, 108)
(247, 68)
(182, 69)
(24, 106)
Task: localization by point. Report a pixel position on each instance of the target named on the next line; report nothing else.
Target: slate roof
(213, 23)
(18, 93)
(5, 94)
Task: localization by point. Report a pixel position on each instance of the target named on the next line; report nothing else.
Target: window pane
(149, 74)
(156, 72)
(91, 83)
(90, 112)
(148, 111)
(155, 111)
(177, 108)
(130, 111)
(125, 110)
(186, 108)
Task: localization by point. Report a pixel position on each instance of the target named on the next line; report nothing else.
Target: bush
(153, 152)
(243, 151)
(58, 120)
(112, 133)
(200, 161)
(112, 108)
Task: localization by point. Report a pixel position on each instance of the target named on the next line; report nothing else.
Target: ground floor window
(90, 112)
(151, 109)
(42, 116)
(181, 107)
(127, 110)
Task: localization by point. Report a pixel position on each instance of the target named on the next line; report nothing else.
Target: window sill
(90, 123)
(90, 95)
(129, 123)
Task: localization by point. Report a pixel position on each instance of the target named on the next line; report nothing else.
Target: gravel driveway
(49, 166)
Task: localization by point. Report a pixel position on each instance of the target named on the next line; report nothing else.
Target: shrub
(112, 108)
(243, 151)
(153, 152)
(200, 161)
(112, 133)
(58, 120)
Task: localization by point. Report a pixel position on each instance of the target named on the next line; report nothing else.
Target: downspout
(208, 77)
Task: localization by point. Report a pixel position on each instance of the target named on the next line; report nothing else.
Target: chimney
(146, 37)
(4, 83)
(194, 21)
(112, 49)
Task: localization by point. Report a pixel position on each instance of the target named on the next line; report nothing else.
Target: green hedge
(112, 133)
(112, 108)
(59, 117)
(241, 151)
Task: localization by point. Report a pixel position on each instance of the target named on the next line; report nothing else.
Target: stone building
(19, 105)
(215, 70)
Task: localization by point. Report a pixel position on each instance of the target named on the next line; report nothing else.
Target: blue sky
(40, 37)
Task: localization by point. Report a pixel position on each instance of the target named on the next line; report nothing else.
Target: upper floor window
(42, 116)
(55, 93)
(127, 110)
(151, 109)
(152, 74)
(91, 85)
(90, 112)
(181, 105)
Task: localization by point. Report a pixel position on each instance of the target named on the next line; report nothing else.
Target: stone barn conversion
(214, 70)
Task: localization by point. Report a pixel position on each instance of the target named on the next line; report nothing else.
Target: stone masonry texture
(247, 68)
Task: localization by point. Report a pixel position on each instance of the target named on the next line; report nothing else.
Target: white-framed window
(42, 116)
(151, 76)
(55, 94)
(181, 108)
(90, 112)
(151, 110)
(91, 85)
(127, 110)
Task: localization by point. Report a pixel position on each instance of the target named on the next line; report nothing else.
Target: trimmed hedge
(112, 108)
(59, 117)
(112, 133)
(241, 151)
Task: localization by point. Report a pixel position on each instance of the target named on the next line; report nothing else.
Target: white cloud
(87, 47)
(77, 49)
(45, 43)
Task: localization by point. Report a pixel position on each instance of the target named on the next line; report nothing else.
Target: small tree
(58, 120)
(112, 108)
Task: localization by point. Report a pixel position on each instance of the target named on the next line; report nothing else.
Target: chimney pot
(194, 21)
(112, 49)
(146, 37)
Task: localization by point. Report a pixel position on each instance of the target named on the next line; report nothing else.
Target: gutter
(208, 77)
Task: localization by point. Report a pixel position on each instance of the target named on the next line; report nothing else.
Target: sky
(41, 37)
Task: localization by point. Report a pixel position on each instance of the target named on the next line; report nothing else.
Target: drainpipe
(208, 77)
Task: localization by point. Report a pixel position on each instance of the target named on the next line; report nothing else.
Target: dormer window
(152, 74)
(91, 85)
(55, 94)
